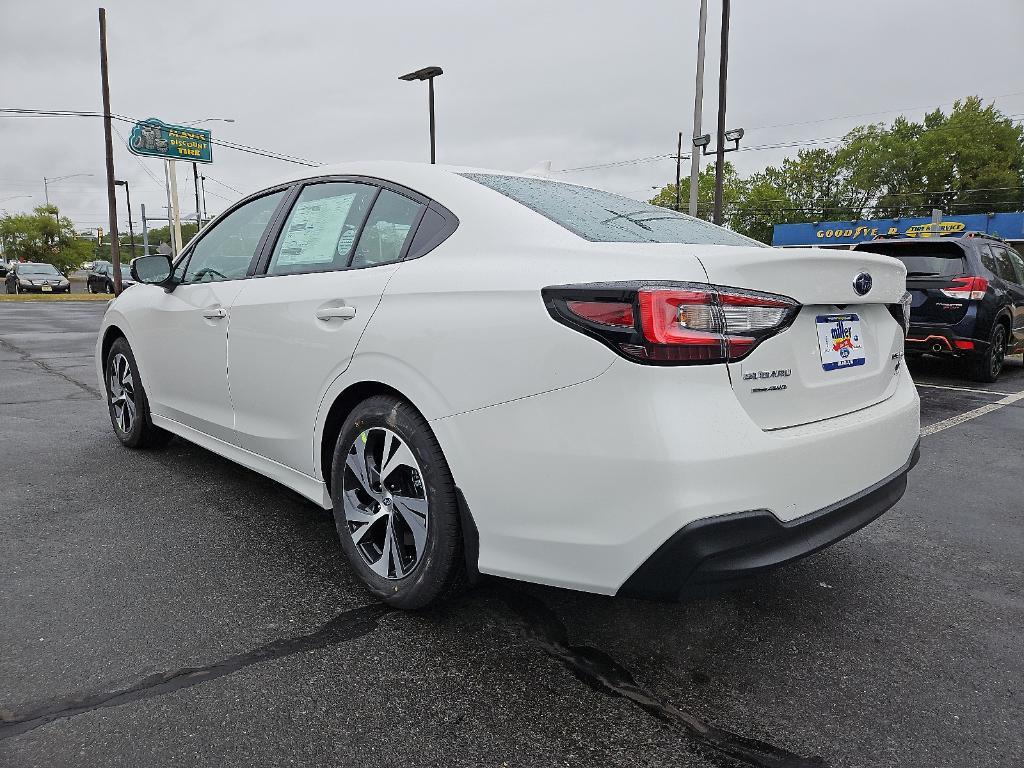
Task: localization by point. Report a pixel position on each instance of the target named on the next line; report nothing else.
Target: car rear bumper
(715, 553)
(580, 486)
(942, 339)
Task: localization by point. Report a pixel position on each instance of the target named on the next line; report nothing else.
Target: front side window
(389, 226)
(321, 229)
(605, 217)
(224, 253)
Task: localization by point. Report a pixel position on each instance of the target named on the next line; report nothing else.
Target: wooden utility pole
(115, 251)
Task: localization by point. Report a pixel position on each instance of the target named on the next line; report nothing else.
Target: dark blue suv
(968, 297)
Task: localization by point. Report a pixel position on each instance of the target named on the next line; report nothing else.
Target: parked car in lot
(486, 372)
(101, 278)
(32, 277)
(968, 298)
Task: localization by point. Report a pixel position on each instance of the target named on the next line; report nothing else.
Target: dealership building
(843, 234)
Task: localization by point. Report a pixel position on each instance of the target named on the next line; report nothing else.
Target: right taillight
(672, 323)
(966, 288)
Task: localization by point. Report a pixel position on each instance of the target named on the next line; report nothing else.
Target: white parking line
(961, 389)
(973, 414)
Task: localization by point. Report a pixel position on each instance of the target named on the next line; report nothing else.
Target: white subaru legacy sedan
(484, 372)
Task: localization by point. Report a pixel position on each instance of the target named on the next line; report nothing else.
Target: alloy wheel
(122, 393)
(998, 351)
(385, 503)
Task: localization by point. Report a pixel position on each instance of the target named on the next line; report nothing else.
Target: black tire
(988, 366)
(440, 567)
(139, 431)
(110, 287)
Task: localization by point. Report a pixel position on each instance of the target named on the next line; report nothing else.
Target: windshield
(38, 269)
(605, 217)
(923, 259)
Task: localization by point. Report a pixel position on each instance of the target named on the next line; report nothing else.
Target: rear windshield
(923, 259)
(604, 217)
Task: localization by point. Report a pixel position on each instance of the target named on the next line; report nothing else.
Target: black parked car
(968, 298)
(101, 278)
(31, 277)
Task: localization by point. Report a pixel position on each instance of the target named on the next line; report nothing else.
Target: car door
(182, 336)
(295, 328)
(1015, 285)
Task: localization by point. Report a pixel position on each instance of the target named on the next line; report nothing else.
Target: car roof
(476, 205)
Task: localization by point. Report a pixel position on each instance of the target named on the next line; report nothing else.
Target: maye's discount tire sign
(155, 138)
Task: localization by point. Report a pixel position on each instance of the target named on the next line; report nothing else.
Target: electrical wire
(19, 112)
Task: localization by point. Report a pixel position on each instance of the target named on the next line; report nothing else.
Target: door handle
(215, 314)
(335, 313)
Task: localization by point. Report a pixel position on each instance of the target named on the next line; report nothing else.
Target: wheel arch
(110, 335)
(341, 407)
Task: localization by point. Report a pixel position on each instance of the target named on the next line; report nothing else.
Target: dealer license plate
(840, 341)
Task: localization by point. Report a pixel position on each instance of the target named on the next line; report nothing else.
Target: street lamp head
(423, 74)
(702, 141)
(734, 135)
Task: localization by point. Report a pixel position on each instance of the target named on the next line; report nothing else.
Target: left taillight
(672, 323)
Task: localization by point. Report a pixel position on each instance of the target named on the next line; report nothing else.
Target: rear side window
(1018, 262)
(1004, 267)
(389, 226)
(604, 217)
(923, 259)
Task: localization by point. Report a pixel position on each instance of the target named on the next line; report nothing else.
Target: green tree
(970, 160)
(159, 235)
(732, 191)
(43, 236)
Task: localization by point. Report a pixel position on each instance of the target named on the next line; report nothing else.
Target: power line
(17, 112)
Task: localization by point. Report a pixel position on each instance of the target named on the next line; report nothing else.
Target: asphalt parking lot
(171, 608)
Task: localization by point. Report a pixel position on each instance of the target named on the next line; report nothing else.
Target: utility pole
(679, 163)
(723, 73)
(195, 182)
(698, 107)
(115, 250)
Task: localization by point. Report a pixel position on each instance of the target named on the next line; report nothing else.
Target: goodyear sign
(155, 138)
(1009, 226)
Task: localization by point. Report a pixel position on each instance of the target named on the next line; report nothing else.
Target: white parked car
(483, 372)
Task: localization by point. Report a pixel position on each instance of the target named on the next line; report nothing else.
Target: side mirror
(153, 270)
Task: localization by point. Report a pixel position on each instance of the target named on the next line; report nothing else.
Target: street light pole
(679, 163)
(46, 188)
(723, 72)
(698, 106)
(428, 74)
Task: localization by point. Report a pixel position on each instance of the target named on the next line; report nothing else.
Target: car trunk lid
(842, 351)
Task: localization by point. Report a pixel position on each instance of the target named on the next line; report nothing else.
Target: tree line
(970, 160)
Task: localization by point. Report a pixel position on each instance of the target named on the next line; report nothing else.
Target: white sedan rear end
(490, 373)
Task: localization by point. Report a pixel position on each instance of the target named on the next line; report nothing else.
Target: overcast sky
(573, 82)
